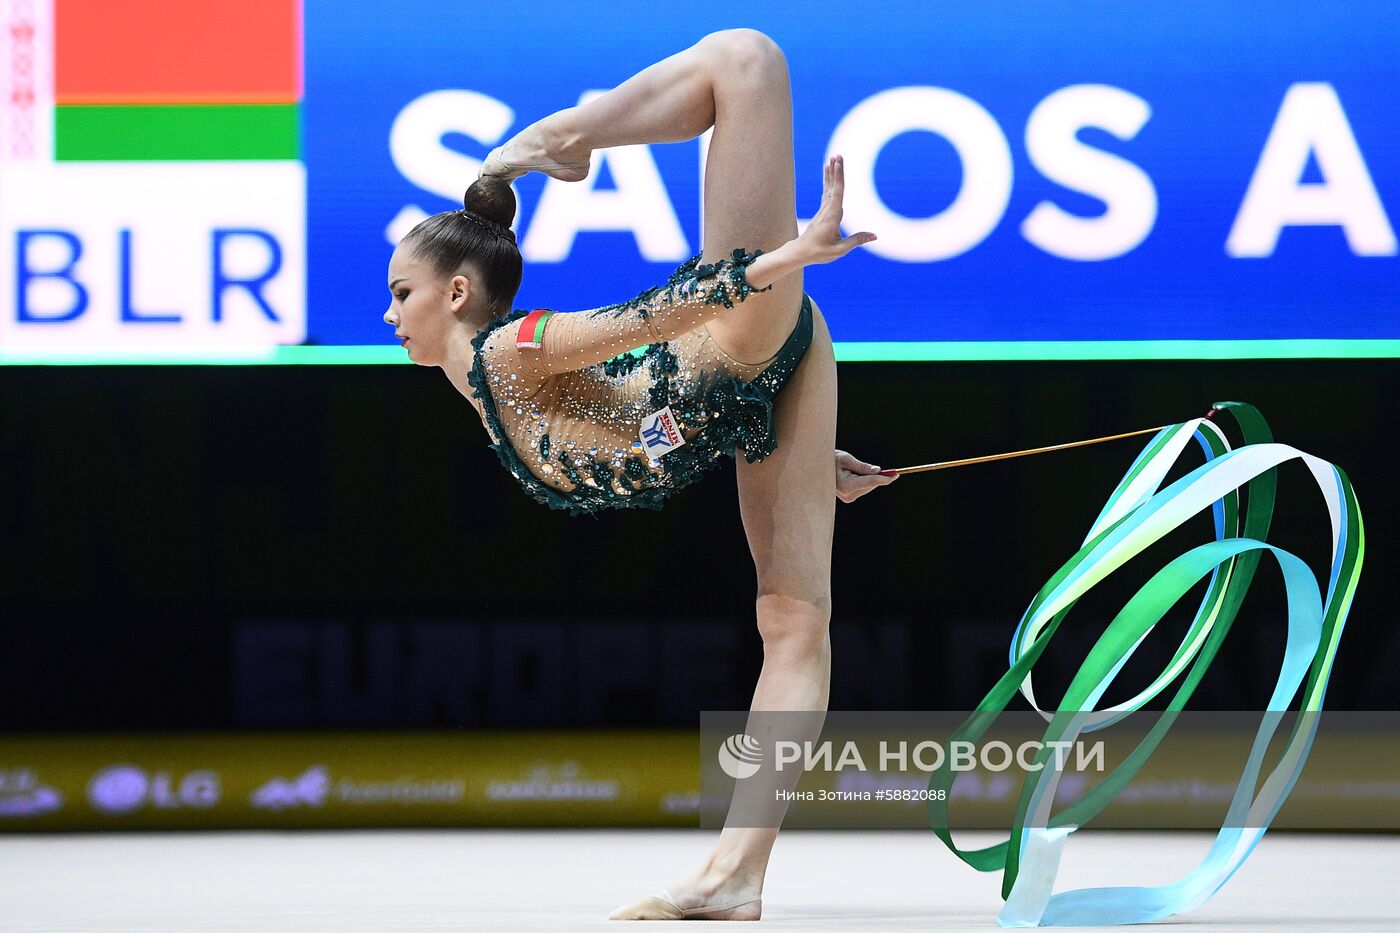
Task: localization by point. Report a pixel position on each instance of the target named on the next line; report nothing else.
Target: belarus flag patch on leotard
(531, 333)
(661, 434)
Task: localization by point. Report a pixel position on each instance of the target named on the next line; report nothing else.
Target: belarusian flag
(97, 80)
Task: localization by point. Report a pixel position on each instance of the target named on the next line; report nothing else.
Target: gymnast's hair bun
(492, 199)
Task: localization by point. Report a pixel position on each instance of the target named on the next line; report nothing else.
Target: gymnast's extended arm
(544, 343)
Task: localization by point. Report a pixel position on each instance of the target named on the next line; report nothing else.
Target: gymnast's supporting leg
(787, 502)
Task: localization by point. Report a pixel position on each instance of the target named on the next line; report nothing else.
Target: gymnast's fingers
(852, 465)
(856, 239)
(860, 485)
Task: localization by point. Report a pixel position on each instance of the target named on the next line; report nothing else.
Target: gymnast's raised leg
(735, 81)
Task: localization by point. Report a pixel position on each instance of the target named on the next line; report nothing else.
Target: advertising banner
(1047, 180)
(849, 769)
(325, 780)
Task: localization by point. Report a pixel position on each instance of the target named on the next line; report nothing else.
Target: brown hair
(479, 236)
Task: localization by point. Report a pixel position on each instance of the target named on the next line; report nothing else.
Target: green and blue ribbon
(1137, 514)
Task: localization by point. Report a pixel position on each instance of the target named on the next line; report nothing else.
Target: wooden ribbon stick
(1015, 453)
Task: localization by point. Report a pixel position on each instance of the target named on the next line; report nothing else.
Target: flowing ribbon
(1137, 514)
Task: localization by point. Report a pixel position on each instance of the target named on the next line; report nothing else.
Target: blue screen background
(1214, 74)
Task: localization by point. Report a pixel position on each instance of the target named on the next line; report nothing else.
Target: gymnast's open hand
(854, 478)
(820, 242)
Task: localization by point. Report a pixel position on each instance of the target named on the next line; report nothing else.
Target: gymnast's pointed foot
(546, 146)
(657, 907)
(688, 903)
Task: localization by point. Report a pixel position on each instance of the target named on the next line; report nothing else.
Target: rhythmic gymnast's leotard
(624, 405)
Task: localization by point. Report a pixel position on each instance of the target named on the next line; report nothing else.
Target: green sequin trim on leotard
(733, 414)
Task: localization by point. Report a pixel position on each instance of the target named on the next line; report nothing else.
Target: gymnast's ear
(459, 293)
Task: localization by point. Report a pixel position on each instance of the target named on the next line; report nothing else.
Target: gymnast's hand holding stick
(854, 478)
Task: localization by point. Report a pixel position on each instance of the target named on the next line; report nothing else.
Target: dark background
(216, 548)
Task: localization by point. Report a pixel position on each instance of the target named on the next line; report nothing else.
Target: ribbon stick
(1015, 453)
(1137, 514)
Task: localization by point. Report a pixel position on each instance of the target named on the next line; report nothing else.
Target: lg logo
(127, 788)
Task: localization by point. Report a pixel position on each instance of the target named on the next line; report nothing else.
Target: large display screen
(225, 181)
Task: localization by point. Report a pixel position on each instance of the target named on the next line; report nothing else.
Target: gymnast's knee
(747, 51)
(790, 623)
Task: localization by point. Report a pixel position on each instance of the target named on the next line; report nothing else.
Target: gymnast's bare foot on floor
(546, 146)
(706, 895)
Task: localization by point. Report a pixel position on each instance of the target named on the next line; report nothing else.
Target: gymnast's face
(423, 307)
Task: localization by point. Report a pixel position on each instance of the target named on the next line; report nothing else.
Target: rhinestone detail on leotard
(569, 436)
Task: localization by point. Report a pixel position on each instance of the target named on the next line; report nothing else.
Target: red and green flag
(177, 80)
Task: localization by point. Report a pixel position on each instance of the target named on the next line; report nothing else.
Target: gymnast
(623, 406)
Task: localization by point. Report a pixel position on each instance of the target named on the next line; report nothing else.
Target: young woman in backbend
(737, 359)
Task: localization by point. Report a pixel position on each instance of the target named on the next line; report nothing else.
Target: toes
(648, 908)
